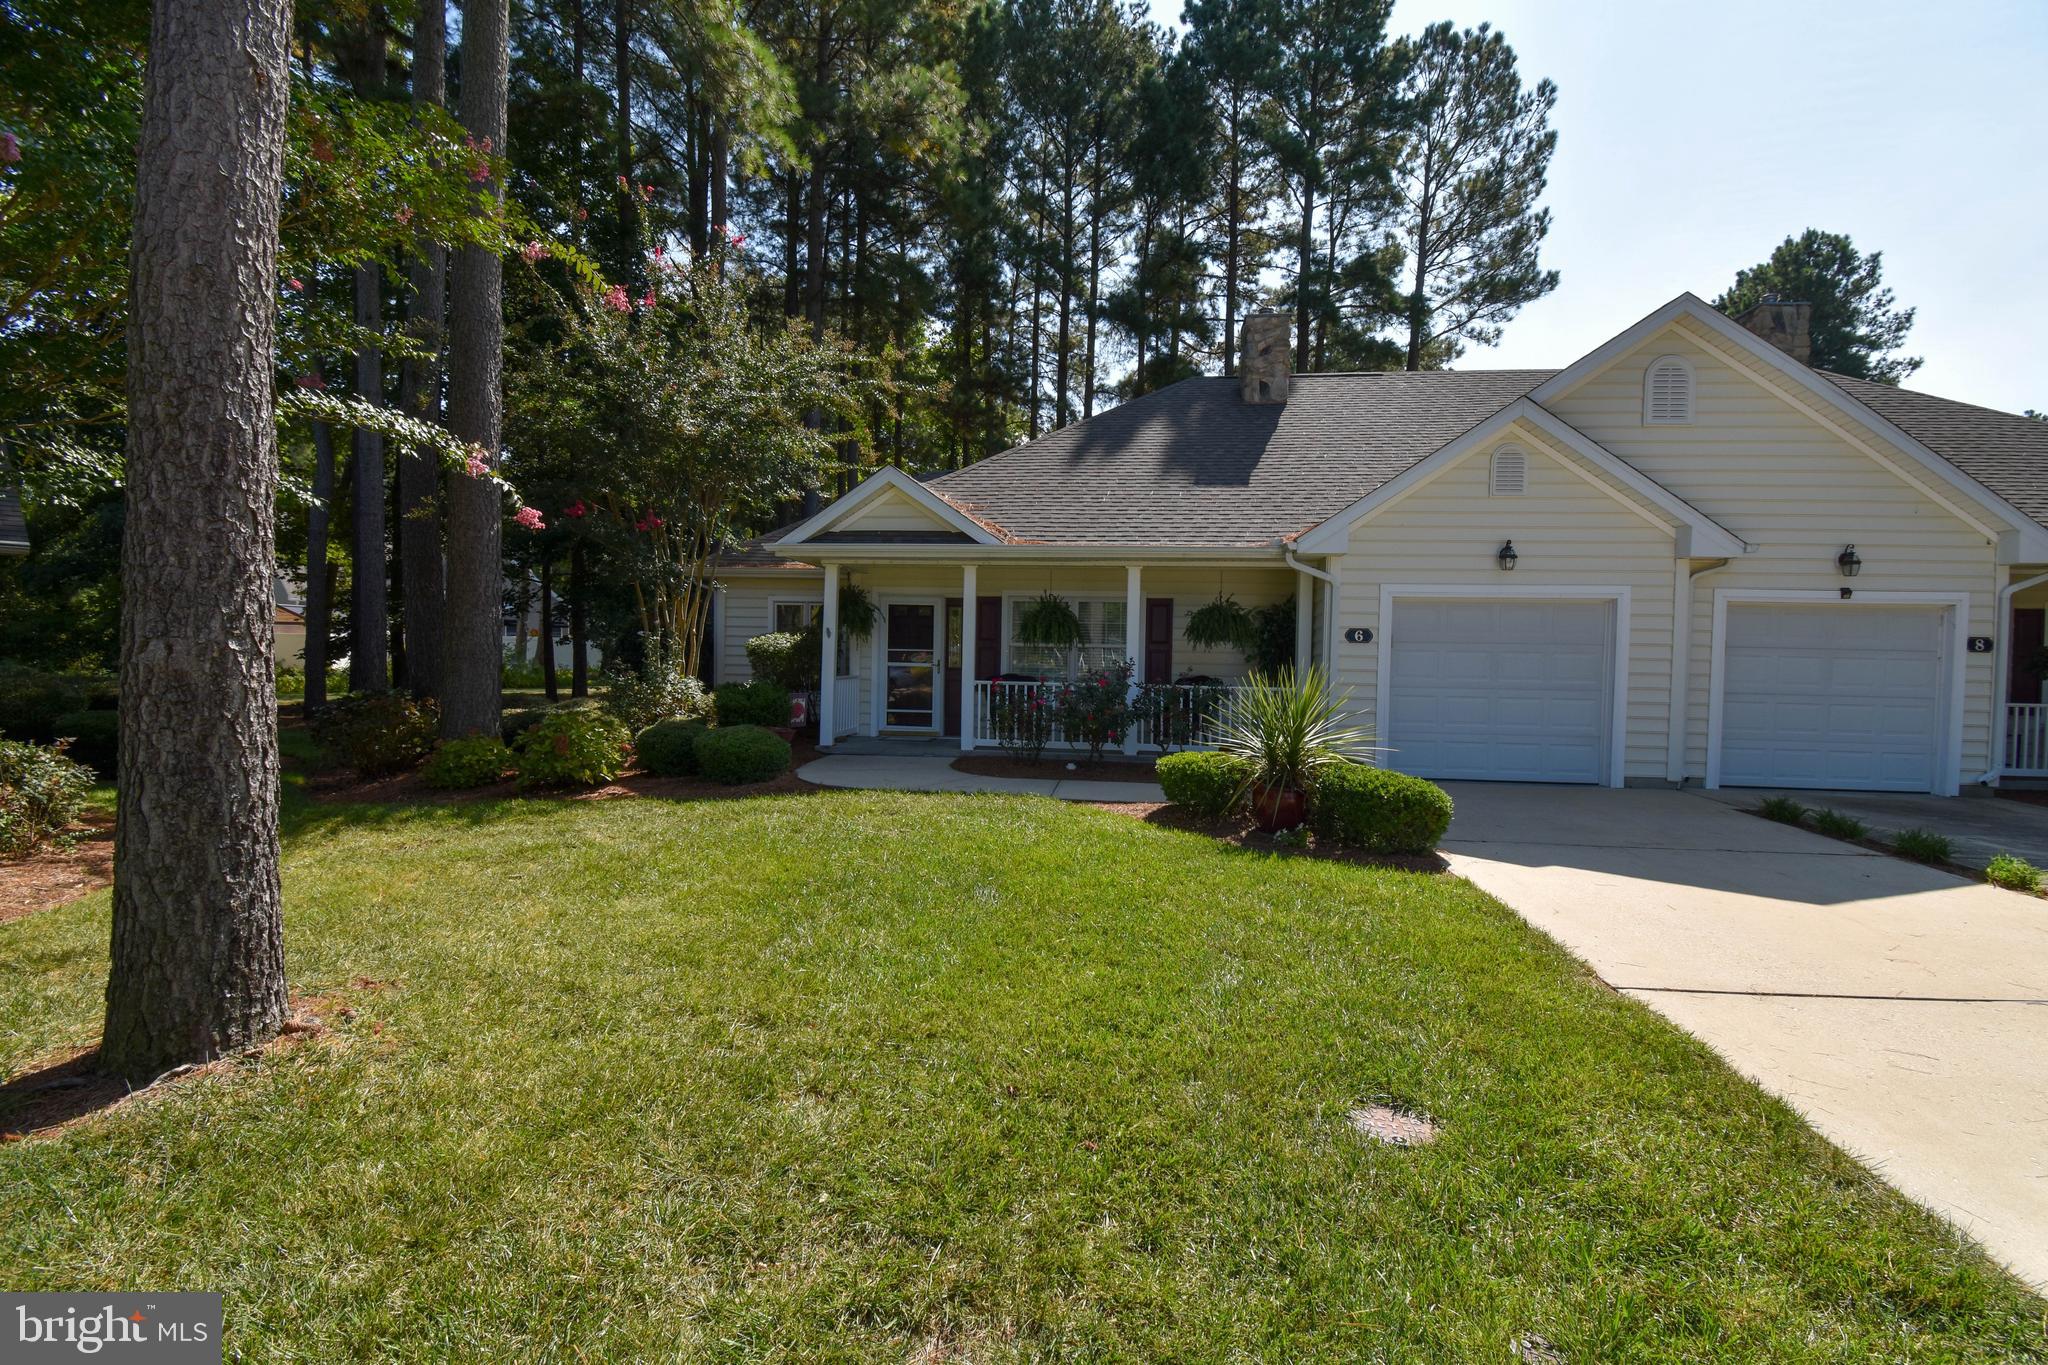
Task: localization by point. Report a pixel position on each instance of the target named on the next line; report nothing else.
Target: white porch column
(1304, 620)
(970, 716)
(1134, 640)
(828, 658)
(1331, 591)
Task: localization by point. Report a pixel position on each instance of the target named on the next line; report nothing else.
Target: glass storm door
(912, 642)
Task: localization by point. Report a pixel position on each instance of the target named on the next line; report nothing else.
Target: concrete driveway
(1903, 1011)
(1979, 827)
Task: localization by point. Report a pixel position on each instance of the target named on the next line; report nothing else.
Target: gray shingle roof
(2005, 452)
(1193, 465)
(13, 528)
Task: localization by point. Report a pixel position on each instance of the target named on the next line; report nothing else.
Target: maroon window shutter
(988, 637)
(1158, 640)
(2027, 632)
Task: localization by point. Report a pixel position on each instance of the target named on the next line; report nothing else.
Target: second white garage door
(1848, 697)
(1511, 691)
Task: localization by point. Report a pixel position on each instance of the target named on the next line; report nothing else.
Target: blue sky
(1694, 138)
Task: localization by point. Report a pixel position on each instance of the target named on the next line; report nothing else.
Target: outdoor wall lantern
(1507, 557)
(1849, 562)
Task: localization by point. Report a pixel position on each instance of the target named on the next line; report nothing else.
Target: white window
(1667, 392)
(790, 617)
(1510, 475)
(1102, 641)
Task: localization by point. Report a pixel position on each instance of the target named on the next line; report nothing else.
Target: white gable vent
(1510, 473)
(1667, 392)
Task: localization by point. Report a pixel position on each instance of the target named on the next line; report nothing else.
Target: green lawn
(862, 1076)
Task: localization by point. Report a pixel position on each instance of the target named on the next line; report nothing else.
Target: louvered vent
(1667, 393)
(1510, 473)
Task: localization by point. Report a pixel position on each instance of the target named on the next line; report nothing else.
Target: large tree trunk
(197, 966)
(1304, 271)
(470, 695)
(579, 628)
(419, 395)
(319, 576)
(369, 665)
(547, 628)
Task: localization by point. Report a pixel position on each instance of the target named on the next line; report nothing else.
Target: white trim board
(882, 480)
(1697, 534)
(1948, 759)
(1620, 596)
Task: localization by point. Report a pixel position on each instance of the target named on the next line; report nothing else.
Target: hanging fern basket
(1049, 619)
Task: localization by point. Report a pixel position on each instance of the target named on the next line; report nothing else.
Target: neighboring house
(1726, 569)
(13, 526)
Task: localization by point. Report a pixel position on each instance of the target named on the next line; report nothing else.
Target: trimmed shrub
(1377, 809)
(41, 792)
(376, 733)
(576, 746)
(1923, 845)
(512, 724)
(1836, 825)
(2014, 874)
(459, 764)
(94, 737)
(1206, 783)
(741, 753)
(668, 748)
(787, 658)
(751, 703)
(1783, 809)
(658, 693)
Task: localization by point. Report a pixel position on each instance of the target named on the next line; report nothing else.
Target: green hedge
(668, 748)
(751, 703)
(787, 658)
(1206, 783)
(573, 746)
(31, 700)
(94, 737)
(733, 754)
(459, 764)
(376, 733)
(1377, 809)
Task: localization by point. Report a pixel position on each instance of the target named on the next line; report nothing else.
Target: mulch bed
(1058, 769)
(1239, 831)
(51, 876)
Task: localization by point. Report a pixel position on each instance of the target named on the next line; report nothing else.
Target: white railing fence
(2026, 739)
(1176, 716)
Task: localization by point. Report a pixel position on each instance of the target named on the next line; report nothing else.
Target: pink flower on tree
(575, 509)
(582, 215)
(311, 381)
(622, 182)
(647, 192)
(10, 148)
(529, 519)
(737, 238)
(480, 172)
(647, 523)
(404, 214)
(647, 299)
(616, 300)
(294, 285)
(477, 464)
(533, 252)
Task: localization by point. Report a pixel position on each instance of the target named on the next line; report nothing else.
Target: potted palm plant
(1287, 726)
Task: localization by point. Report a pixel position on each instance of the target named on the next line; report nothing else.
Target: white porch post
(970, 714)
(1304, 620)
(828, 658)
(1134, 640)
(1331, 591)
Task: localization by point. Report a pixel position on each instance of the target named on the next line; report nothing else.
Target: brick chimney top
(1267, 360)
(1786, 325)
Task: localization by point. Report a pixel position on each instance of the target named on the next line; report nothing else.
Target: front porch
(945, 661)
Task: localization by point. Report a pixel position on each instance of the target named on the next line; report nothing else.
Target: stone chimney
(1787, 326)
(1266, 362)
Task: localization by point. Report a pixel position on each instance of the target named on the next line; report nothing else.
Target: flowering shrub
(40, 794)
(668, 748)
(659, 692)
(1095, 709)
(733, 754)
(573, 746)
(754, 703)
(458, 764)
(1022, 718)
(376, 733)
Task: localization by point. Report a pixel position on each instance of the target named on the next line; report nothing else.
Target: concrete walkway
(1979, 827)
(937, 774)
(1903, 1011)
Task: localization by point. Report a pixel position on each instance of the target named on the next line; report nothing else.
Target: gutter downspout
(1329, 602)
(2001, 679)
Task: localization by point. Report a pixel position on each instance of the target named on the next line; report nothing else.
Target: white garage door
(1843, 697)
(1510, 691)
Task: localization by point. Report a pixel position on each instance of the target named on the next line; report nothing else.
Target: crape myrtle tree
(703, 411)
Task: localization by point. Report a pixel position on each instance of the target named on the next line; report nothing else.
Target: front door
(955, 665)
(910, 675)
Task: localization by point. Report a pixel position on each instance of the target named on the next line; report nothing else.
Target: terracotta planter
(1278, 808)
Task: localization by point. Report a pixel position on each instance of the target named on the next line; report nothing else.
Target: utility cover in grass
(1396, 1127)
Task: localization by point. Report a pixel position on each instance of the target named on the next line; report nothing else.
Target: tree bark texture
(470, 694)
(197, 966)
(419, 394)
(369, 662)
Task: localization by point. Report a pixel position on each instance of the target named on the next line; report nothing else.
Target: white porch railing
(1180, 716)
(2026, 739)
